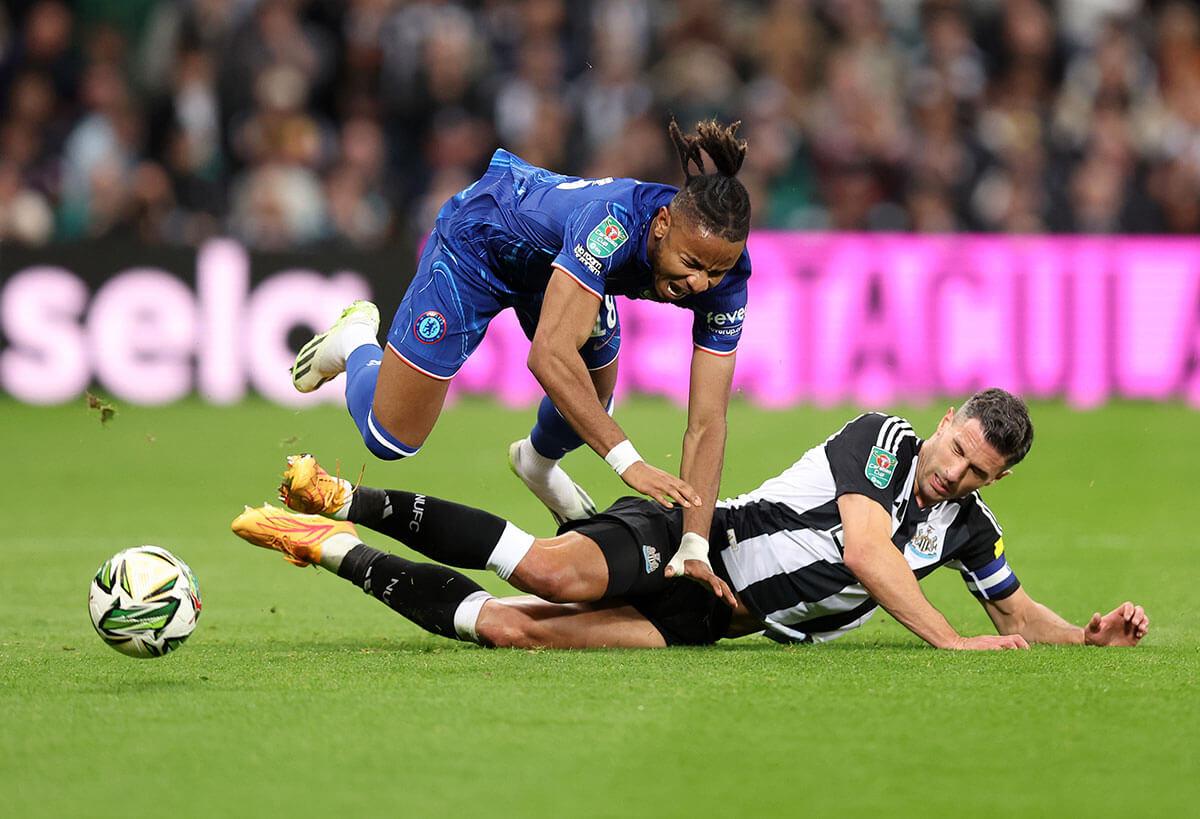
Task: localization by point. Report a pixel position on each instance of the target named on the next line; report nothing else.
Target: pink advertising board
(876, 319)
(864, 319)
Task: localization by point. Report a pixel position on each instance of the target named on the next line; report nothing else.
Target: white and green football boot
(324, 357)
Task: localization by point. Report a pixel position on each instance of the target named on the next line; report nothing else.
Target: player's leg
(395, 397)
(566, 568)
(535, 459)
(618, 553)
(394, 405)
(439, 599)
(527, 622)
(569, 567)
(678, 613)
(436, 598)
(351, 345)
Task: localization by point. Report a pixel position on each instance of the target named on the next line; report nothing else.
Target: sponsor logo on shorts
(606, 238)
(588, 260)
(429, 327)
(880, 466)
(653, 559)
(725, 319)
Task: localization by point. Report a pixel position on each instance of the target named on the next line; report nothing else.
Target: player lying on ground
(807, 556)
(557, 249)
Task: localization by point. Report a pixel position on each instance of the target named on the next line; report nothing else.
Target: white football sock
(335, 547)
(546, 479)
(344, 512)
(509, 551)
(354, 336)
(467, 614)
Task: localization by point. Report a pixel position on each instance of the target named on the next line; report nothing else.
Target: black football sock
(445, 531)
(438, 599)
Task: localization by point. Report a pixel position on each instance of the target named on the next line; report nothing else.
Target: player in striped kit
(806, 557)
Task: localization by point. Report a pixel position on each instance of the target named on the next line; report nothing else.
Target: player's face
(956, 460)
(686, 259)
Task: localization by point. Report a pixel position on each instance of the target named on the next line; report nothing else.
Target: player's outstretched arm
(567, 317)
(703, 458)
(1019, 613)
(870, 555)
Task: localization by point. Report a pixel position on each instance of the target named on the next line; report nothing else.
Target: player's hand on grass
(660, 486)
(691, 561)
(1125, 625)
(990, 642)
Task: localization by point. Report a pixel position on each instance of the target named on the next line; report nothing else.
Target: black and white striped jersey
(785, 554)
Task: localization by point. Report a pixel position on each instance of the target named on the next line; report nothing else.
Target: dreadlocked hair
(716, 201)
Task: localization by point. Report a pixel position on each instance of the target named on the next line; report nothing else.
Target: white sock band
(534, 463)
(467, 614)
(357, 335)
(335, 547)
(514, 544)
(622, 456)
(344, 512)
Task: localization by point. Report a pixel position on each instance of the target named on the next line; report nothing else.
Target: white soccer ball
(144, 601)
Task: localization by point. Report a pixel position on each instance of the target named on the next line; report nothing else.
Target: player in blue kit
(557, 249)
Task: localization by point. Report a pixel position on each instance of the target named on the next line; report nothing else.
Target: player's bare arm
(874, 560)
(568, 315)
(702, 461)
(1020, 614)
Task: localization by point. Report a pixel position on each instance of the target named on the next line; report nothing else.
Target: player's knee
(508, 627)
(385, 454)
(383, 444)
(547, 574)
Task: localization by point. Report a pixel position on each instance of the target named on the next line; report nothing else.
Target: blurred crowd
(294, 123)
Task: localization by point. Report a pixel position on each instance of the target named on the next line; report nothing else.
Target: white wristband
(691, 547)
(622, 456)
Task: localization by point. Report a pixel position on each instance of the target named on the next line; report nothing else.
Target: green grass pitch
(299, 696)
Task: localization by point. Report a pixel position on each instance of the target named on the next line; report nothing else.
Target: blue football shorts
(449, 303)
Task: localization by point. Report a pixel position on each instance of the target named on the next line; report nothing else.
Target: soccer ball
(144, 601)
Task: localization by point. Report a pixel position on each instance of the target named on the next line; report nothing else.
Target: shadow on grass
(299, 647)
(430, 646)
(761, 645)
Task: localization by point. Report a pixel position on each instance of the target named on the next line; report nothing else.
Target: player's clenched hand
(1125, 625)
(691, 561)
(660, 486)
(990, 642)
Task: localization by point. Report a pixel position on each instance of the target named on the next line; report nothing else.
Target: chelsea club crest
(429, 327)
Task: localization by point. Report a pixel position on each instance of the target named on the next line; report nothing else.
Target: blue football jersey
(518, 222)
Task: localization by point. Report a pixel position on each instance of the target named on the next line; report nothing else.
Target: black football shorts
(638, 537)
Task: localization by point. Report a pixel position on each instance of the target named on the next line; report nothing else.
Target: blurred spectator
(614, 89)
(357, 214)
(99, 154)
(45, 44)
(276, 206)
(25, 215)
(292, 122)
